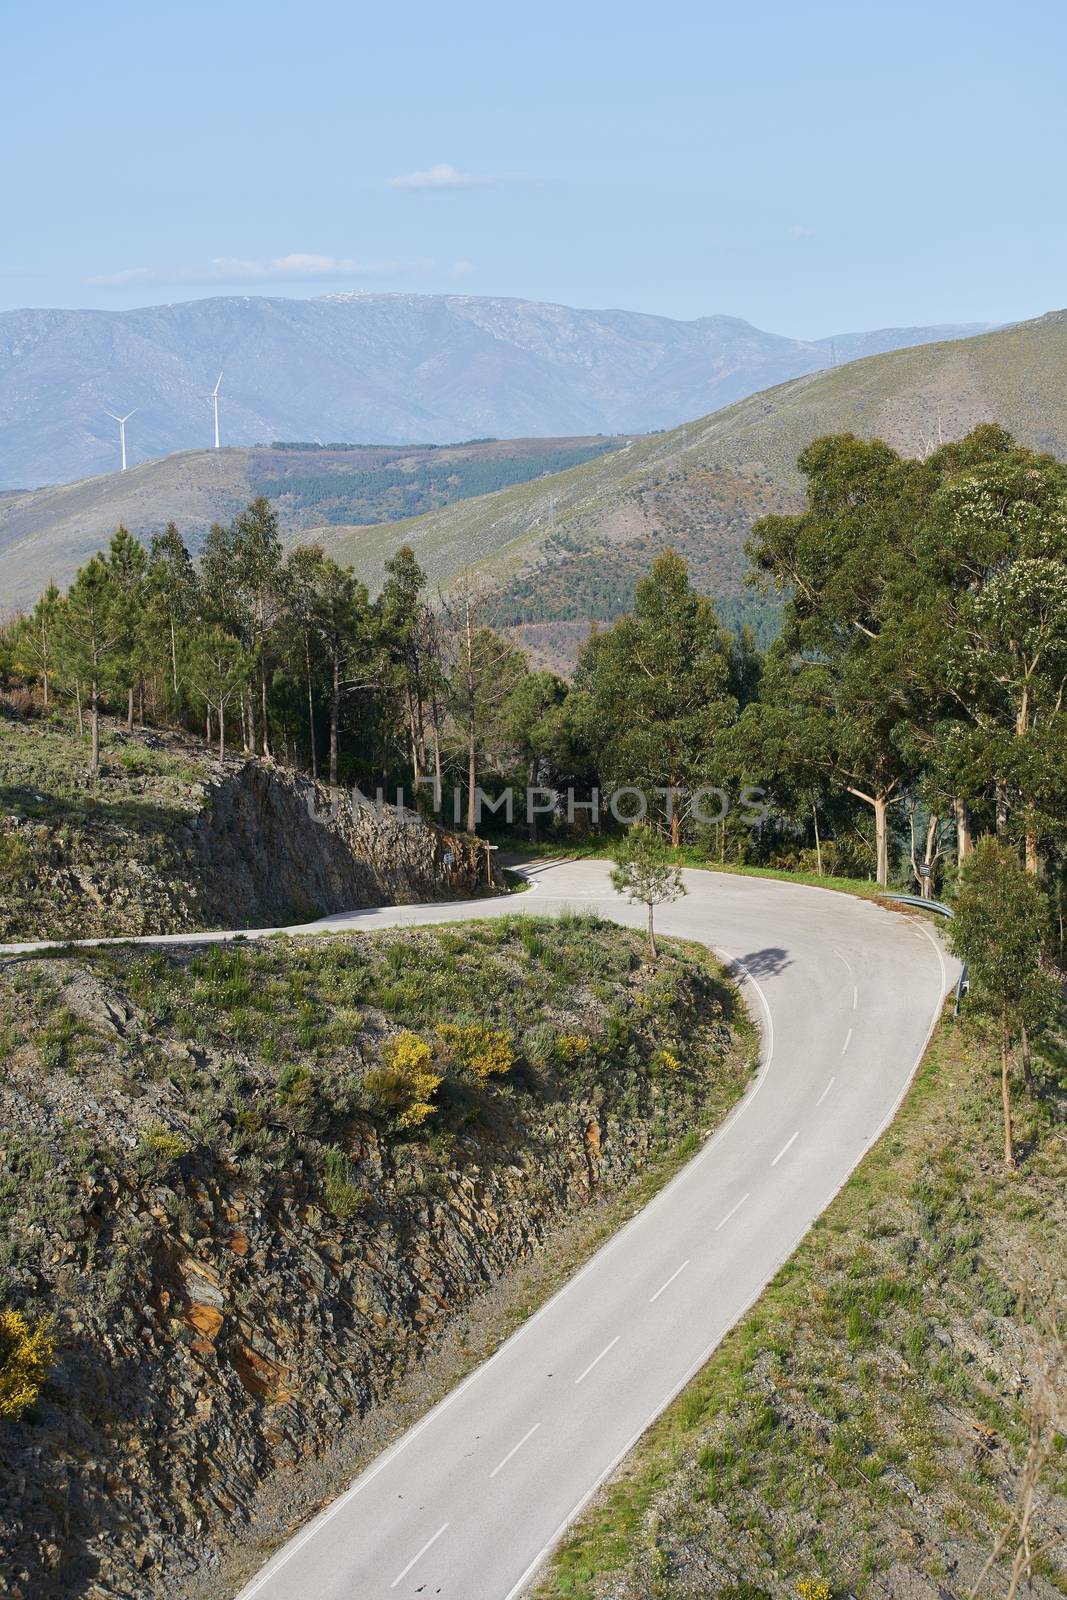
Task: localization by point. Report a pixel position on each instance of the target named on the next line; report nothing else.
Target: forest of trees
(914, 700)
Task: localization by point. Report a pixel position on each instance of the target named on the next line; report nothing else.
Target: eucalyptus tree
(658, 691)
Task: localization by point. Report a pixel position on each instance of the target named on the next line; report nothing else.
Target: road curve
(468, 1503)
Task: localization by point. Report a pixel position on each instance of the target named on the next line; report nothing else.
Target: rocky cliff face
(242, 1250)
(171, 840)
(272, 845)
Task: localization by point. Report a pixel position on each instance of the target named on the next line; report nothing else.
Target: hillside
(210, 1179)
(572, 547)
(170, 839)
(48, 533)
(394, 368)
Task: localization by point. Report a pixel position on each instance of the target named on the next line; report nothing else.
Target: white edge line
(788, 1144)
(826, 1091)
(855, 997)
(432, 1540)
(597, 1360)
(702, 1360)
(513, 1451)
(732, 1212)
(675, 1274)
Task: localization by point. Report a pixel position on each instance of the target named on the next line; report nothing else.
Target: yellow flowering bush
(486, 1052)
(572, 1045)
(403, 1086)
(813, 1589)
(26, 1353)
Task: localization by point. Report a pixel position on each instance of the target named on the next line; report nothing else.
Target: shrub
(403, 1085)
(162, 1146)
(486, 1052)
(26, 1353)
(813, 1589)
(571, 1046)
(667, 1061)
(343, 1195)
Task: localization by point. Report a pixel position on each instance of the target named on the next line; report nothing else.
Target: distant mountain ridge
(374, 368)
(571, 547)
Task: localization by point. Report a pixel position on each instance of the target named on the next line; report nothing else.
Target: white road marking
(844, 961)
(848, 1041)
(597, 1359)
(784, 1148)
(826, 1091)
(670, 1280)
(418, 1557)
(514, 1450)
(855, 997)
(731, 1213)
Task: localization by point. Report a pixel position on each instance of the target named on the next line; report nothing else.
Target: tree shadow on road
(766, 963)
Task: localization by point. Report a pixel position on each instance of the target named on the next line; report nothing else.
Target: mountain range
(375, 368)
(567, 546)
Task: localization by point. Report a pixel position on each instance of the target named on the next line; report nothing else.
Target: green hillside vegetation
(699, 488)
(48, 533)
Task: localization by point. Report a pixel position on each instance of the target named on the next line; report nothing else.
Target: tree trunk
(335, 716)
(1028, 1066)
(963, 830)
(311, 709)
(94, 703)
(1005, 1092)
(472, 771)
(78, 701)
(173, 659)
(653, 952)
(1002, 810)
(129, 709)
(818, 841)
(1033, 853)
(250, 720)
(140, 701)
(881, 833)
(222, 729)
(926, 878)
(207, 723)
(263, 707)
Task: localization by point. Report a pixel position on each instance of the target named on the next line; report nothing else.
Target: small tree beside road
(646, 873)
(999, 930)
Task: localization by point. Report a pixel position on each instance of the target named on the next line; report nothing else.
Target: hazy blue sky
(812, 167)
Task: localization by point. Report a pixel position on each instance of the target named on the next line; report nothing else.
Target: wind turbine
(122, 421)
(214, 398)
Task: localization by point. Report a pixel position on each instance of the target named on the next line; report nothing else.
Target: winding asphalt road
(469, 1502)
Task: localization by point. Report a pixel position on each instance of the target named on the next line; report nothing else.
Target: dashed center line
(514, 1450)
(826, 1091)
(784, 1148)
(676, 1274)
(596, 1360)
(855, 997)
(848, 1041)
(418, 1556)
(731, 1213)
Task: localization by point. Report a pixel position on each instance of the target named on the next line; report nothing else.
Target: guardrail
(962, 984)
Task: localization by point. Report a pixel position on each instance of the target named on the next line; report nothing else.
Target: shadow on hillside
(143, 816)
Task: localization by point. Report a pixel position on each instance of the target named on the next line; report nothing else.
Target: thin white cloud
(442, 176)
(461, 269)
(800, 230)
(299, 265)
